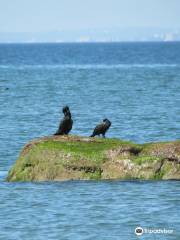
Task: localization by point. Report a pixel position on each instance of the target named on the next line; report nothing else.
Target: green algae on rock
(59, 158)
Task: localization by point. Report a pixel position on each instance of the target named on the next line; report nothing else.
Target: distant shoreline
(93, 42)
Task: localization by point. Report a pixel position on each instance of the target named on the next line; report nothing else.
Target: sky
(74, 15)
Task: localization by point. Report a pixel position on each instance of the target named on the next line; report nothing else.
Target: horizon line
(86, 42)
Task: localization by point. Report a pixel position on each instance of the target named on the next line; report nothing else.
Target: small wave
(88, 66)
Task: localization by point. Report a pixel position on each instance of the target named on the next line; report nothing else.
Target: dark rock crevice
(86, 169)
(159, 167)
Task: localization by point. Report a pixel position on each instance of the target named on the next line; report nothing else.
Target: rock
(59, 158)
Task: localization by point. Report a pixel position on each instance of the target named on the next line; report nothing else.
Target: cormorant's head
(107, 121)
(65, 109)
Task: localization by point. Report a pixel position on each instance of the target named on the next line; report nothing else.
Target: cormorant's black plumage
(101, 128)
(66, 123)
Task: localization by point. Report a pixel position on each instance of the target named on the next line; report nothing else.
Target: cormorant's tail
(57, 133)
(92, 135)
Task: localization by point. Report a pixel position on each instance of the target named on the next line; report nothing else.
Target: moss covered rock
(71, 157)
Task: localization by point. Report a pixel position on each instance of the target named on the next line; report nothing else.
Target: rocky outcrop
(71, 157)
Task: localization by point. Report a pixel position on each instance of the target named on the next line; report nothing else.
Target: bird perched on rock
(101, 128)
(66, 123)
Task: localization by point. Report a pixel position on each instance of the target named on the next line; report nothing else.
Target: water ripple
(87, 66)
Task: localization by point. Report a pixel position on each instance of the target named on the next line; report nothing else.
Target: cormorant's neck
(68, 114)
(108, 123)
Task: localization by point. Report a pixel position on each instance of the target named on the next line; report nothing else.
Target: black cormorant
(66, 123)
(101, 128)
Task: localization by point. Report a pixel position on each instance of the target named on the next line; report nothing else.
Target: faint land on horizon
(93, 35)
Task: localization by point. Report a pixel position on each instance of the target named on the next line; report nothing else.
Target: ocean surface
(137, 87)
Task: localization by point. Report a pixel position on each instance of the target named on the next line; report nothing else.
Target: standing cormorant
(101, 128)
(66, 123)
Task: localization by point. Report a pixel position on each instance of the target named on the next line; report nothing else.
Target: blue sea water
(136, 86)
